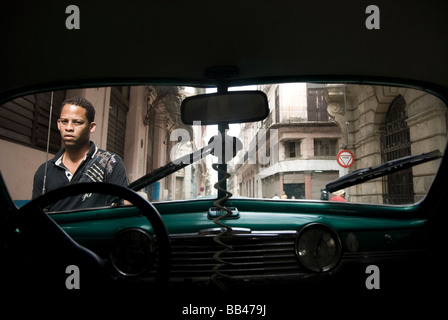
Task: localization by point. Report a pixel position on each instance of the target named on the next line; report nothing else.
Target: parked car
(279, 157)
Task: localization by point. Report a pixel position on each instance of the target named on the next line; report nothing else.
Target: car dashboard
(269, 242)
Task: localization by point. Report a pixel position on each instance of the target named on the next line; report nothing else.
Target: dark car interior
(49, 45)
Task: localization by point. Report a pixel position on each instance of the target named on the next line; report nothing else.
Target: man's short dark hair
(80, 102)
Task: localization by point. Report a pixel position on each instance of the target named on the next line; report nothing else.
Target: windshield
(314, 134)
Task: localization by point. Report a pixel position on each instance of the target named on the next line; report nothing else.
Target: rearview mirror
(229, 107)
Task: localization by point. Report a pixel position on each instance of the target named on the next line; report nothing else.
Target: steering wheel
(56, 249)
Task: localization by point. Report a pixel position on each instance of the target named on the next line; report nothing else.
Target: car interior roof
(176, 42)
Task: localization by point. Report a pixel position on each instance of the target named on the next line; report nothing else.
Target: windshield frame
(376, 83)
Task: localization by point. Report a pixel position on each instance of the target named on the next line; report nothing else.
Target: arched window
(396, 143)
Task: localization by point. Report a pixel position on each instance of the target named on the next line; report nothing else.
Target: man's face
(74, 127)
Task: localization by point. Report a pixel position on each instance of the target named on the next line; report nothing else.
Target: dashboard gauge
(133, 251)
(318, 247)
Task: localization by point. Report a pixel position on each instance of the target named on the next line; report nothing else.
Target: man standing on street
(79, 160)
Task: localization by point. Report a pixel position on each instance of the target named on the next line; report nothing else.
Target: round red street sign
(345, 158)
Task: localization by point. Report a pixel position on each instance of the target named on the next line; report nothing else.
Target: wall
(366, 112)
(18, 166)
(136, 135)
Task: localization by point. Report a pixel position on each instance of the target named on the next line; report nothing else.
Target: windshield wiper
(366, 174)
(186, 160)
(170, 168)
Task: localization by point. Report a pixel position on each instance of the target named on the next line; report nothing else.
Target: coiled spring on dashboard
(225, 231)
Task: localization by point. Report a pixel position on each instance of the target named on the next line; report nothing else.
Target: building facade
(311, 123)
(382, 123)
(293, 152)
